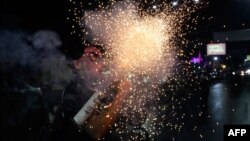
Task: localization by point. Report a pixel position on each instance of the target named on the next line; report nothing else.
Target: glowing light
(215, 58)
(175, 3)
(137, 45)
(223, 66)
(248, 71)
(196, 1)
(242, 73)
(233, 73)
(142, 48)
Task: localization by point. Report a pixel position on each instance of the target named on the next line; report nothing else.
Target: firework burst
(145, 46)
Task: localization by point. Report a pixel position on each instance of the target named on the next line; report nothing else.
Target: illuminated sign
(216, 49)
(197, 60)
(248, 57)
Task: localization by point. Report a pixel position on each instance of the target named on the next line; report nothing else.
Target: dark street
(228, 103)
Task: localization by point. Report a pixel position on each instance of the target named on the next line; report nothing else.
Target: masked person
(88, 70)
(89, 79)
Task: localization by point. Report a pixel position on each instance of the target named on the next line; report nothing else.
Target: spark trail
(141, 46)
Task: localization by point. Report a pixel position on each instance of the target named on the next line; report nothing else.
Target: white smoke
(34, 56)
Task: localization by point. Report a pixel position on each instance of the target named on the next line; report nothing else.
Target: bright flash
(145, 48)
(137, 44)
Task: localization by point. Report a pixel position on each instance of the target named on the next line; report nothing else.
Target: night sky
(34, 15)
(47, 14)
(30, 16)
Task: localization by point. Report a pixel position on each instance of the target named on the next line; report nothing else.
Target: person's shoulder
(71, 86)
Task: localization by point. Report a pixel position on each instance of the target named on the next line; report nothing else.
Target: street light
(247, 72)
(175, 3)
(223, 66)
(196, 1)
(215, 58)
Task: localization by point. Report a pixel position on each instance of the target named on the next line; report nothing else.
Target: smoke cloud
(34, 57)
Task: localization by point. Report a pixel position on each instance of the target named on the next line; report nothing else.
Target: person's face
(90, 66)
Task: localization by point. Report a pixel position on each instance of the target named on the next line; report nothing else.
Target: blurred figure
(88, 70)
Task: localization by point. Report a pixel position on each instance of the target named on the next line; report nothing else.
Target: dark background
(47, 14)
(31, 16)
(52, 15)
